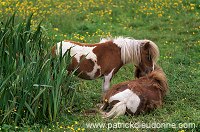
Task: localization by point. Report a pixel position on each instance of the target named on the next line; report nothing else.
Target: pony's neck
(130, 50)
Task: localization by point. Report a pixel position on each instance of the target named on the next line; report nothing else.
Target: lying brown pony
(136, 96)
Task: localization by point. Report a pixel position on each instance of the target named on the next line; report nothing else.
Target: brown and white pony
(136, 96)
(108, 56)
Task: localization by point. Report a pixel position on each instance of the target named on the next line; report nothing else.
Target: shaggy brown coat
(150, 89)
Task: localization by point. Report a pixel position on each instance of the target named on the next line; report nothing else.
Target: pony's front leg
(106, 82)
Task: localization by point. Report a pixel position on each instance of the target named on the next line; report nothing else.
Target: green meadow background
(38, 96)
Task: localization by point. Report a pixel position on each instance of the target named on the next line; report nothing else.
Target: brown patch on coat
(82, 68)
(108, 57)
(151, 89)
(114, 102)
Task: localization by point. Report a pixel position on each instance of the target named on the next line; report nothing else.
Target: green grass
(28, 92)
(176, 34)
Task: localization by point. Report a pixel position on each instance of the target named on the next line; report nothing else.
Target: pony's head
(149, 54)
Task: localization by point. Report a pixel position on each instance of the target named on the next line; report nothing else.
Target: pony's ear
(146, 45)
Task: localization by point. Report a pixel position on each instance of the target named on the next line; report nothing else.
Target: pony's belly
(85, 76)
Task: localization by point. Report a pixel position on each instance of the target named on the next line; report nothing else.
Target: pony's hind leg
(106, 82)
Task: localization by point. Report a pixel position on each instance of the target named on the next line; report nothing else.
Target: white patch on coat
(107, 78)
(129, 98)
(77, 51)
(95, 69)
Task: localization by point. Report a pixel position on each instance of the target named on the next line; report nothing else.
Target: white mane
(130, 48)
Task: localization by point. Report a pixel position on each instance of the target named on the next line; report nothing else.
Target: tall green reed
(31, 88)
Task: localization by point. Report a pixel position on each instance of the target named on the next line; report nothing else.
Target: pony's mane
(160, 77)
(154, 51)
(130, 49)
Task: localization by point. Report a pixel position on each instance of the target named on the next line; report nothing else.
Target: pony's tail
(118, 109)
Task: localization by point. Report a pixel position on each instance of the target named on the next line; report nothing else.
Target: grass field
(174, 25)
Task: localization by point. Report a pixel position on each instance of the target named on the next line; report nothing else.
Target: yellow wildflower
(159, 15)
(56, 29)
(3, 3)
(175, 4)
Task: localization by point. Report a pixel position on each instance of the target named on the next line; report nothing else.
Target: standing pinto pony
(107, 57)
(136, 96)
